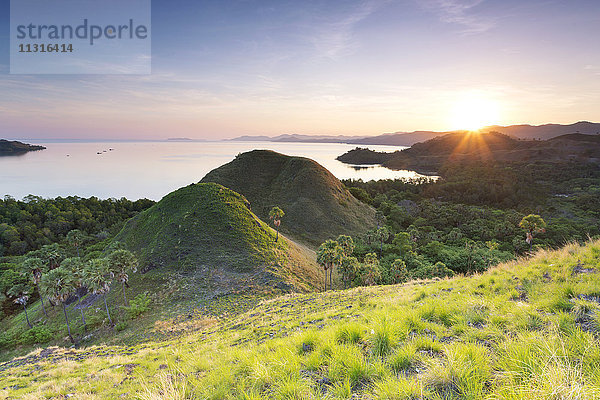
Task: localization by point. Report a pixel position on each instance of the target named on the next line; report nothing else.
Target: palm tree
(36, 267)
(346, 245)
(403, 243)
(97, 277)
(74, 266)
(76, 238)
(399, 270)
(382, 235)
(347, 268)
(51, 255)
(275, 215)
(120, 262)
(58, 285)
(371, 267)
(328, 255)
(532, 224)
(20, 293)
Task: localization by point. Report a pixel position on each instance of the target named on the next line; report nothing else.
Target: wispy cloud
(459, 12)
(334, 38)
(593, 69)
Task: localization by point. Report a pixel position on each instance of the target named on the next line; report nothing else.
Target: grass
(317, 206)
(413, 341)
(209, 229)
(203, 255)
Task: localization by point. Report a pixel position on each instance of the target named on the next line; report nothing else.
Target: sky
(222, 69)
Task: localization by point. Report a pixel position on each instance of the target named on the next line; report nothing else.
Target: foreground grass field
(524, 330)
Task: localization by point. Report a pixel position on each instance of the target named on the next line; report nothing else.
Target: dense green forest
(28, 224)
(469, 219)
(53, 230)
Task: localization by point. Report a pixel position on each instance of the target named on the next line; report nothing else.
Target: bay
(152, 169)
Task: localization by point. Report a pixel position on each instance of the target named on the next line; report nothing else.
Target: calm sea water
(151, 169)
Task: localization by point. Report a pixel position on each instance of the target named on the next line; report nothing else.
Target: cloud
(459, 12)
(334, 38)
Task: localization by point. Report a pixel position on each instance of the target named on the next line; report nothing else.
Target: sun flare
(475, 112)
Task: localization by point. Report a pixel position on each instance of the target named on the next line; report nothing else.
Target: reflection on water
(19, 154)
(153, 169)
(363, 167)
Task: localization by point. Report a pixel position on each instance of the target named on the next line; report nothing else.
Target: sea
(151, 170)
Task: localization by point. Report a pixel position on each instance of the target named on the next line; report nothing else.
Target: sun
(475, 112)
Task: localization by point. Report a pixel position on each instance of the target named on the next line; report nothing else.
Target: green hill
(316, 204)
(526, 330)
(210, 230)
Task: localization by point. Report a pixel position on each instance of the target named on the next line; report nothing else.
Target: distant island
(543, 132)
(365, 156)
(466, 147)
(11, 148)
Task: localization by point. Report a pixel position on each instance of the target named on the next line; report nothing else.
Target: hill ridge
(209, 228)
(316, 204)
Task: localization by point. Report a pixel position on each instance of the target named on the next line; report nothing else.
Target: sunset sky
(221, 69)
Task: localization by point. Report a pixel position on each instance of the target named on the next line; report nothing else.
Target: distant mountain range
(300, 138)
(547, 131)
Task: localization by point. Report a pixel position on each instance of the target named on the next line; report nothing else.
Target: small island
(11, 148)
(364, 156)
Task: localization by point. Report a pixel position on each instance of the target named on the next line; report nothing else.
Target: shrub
(121, 326)
(138, 306)
(36, 335)
(7, 341)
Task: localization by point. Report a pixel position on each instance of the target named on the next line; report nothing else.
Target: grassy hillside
(209, 229)
(317, 206)
(203, 254)
(525, 330)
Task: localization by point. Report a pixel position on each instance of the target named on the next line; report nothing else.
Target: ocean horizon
(153, 168)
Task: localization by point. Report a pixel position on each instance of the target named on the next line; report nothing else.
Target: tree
(440, 270)
(120, 263)
(58, 286)
(399, 271)
(379, 218)
(402, 242)
(347, 268)
(275, 215)
(533, 224)
(51, 255)
(36, 267)
(371, 269)
(20, 293)
(382, 235)
(74, 266)
(328, 255)
(97, 277)
(346, 245)
(76, 239)
(9, 279)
